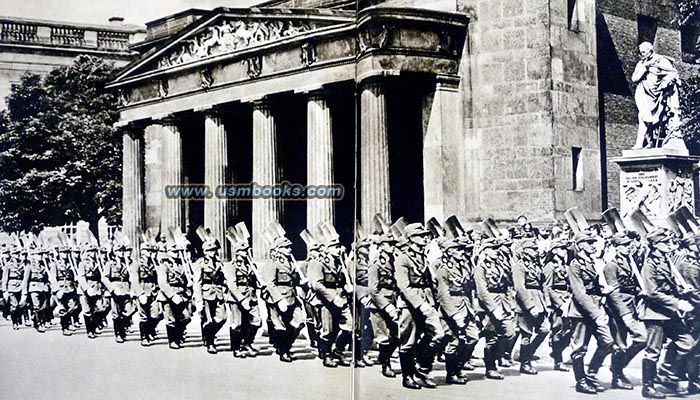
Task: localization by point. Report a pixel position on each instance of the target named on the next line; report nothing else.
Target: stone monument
(657, 174)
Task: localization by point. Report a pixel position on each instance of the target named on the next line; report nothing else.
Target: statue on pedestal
(657, 100)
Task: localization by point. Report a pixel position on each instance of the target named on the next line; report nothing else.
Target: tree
(60, 158)
(689, 14)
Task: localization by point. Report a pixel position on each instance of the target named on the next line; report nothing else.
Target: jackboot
(648, 377)
(408, 370)
(582, 385)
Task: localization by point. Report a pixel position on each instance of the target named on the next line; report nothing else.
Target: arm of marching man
(444, 298)
(521, 293)
(615, 297)
(556, 301)
(229, 271)
(162, 277)
(380, 301)
(486, 298)
(578, 292)
(314, 274)
(413, 296)
(660, 300)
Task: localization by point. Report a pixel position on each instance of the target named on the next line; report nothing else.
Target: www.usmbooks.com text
(250, 191)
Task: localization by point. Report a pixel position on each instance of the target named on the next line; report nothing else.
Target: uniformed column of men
(429, 292)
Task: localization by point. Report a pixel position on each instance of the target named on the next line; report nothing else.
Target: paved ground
(51, 366)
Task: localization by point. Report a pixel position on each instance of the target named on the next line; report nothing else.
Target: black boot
(143, 331)
(235, 335)
(648, 377)
(341, 343)
(250, 350)
(117, 324)
(453, 371)
(173, 342)
(65, 325)
(582, 385)
(385, 351)
(89, 327)
(619, 381)
(408, 370)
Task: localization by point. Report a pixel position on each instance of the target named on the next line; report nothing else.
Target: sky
(99, 11)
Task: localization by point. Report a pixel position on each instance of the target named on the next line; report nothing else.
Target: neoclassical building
(419, 108)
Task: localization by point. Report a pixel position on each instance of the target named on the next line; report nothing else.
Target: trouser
(39, 303)
(622, 327)
(93, 311)
(122, 311)
(583, 329)
(68, 306)
(538, 327)
(213, 317)
(150, 314)
(460, 339)
(364, 334)
(336, 328)
(285, 326)
(244, 324)
(499, 335)
(16, 308)
(386, 335)
(420, 336)
(681, 341)
(560, 335)
(313, 323)
(176, 316)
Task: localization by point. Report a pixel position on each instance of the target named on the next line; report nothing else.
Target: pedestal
(657, 181)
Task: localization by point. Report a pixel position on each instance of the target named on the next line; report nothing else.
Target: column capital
(375, 77)
(447, 82)
(212, 110)
(166, 119)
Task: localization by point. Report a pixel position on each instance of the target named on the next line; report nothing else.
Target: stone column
(172, 210)
(265, 210)
(374, 153)
(132, 183)
(319, 153)
(442, 150)
(215, 174)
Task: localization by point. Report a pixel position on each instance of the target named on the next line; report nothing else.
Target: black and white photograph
(349, 199)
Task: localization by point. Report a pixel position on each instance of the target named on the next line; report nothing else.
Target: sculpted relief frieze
(229, 36)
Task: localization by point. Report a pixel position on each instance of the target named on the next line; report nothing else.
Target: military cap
(660, 235)
(620, 239)
(210, 245)
(584, 236)
(415, 229)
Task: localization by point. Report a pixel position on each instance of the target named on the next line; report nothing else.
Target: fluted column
(319, 150)
(172, 212)
(215, 174)
(374, 153)
(265, 210)
(132, 183)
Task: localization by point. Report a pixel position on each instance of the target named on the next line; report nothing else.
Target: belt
(457, 293)
(118, 280)
(630, 290)
(331, 285)
(560, 287)
(539, 287)
(498, 290)
(595, 292)
(290, 284)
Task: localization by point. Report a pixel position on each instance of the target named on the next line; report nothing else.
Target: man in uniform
(36, 289)
(328, 282)
(383, 292)
(285, 311)
(621, 275)
(529, 281)
(90, 283)
(65, 288)
(664, 308)
(12, 284)
(210, 292)
(559, 295)
(363, 301)
(243, 283)
(118, 273)
(420, 329)
(493, 280)
(586, 310)
(453, 297)
(146, 292)
(175, 294)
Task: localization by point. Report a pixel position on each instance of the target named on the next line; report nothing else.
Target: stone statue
(657, 100)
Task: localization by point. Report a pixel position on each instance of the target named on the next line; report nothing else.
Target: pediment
(228, 31)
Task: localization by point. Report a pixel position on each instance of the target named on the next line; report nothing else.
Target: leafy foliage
(60, 156)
